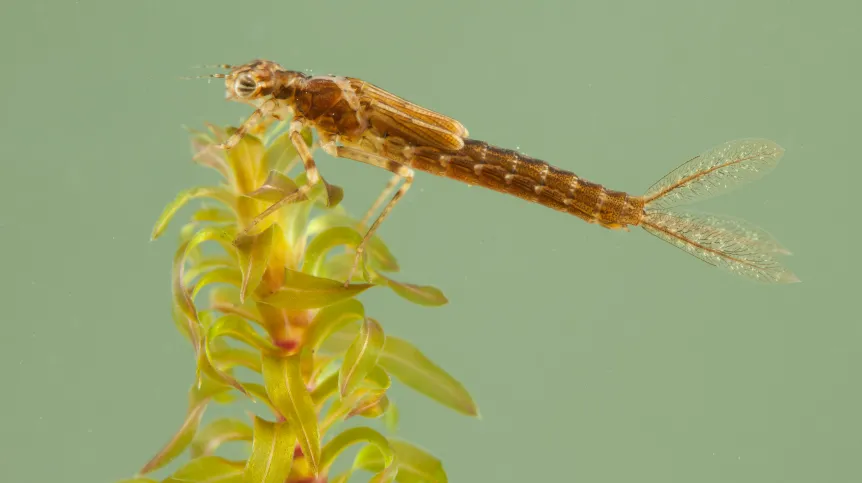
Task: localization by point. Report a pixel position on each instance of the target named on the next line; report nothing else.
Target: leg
(400, 171)
(313, 176)
(261, 113)
(379, 201)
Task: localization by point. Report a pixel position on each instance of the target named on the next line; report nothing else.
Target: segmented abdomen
(510, 172)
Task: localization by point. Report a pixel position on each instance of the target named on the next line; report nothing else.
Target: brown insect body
(357, 120)
(338, 108)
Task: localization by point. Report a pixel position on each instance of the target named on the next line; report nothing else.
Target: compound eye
(245, 85)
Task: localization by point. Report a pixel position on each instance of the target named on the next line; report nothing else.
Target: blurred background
(594, 356)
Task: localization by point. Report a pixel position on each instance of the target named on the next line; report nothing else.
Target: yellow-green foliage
(278, 326)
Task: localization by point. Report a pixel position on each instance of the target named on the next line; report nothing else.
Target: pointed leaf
(228, 275)
(288, 392)
(378, 253)
(244, 160)
(203, 264)
(271, 453)
(315, 253)
(361, 435)
(206, 155)
(369, 393)
(218, 432)
(302, 291)
(179, 442)
(281, 152)
(209, 389)
(258, 393)
(225, 358)
(217, 193)
(338, 267)
(418, 294)
(391, 417)
(407, 364)
(361, 356)
(275, 187)
(253, 253)
(415, 465)
(239, 329)
(208, 469)
(214, 214)
(371, 406)
(226, 300)
(331, 319)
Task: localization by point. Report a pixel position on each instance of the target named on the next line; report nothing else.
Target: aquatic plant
(270, 320)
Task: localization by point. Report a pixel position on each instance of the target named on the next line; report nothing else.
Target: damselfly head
(250, 81)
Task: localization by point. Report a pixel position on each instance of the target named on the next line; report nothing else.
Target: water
(594, 356)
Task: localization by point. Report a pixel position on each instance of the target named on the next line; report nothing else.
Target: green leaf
(418, 294)
(274, 188)
(415, 465)
(302, 292)
(138, 480)
(218, 432)
(218, 215)
(237, 328)
(288, 392)
(208, 469)
(315, 253)
(207, 156)
(253, 253)
(224, 358)
(209, 388)
(332, 319)
(226, 300)
(220, 194)
(371, 406)
(407, 364)
(245, 160)
(361, 356)
(281, 152)
(271, 453)
(391, 417)
(203, 264)
(228, 275)
(361, 435)
(339, 266)
(179, 442)
(368, 394)
(258, 393)
(377, 251)
(185, 313)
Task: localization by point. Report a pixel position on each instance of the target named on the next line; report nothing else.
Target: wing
(728, 243)
(414, 123)
(715, 172)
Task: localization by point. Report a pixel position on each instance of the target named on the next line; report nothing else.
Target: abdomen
(507, 171)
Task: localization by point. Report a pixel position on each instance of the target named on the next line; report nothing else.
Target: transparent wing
(729, 243)
(715, 172)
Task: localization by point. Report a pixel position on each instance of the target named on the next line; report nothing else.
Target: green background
(594, 356)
